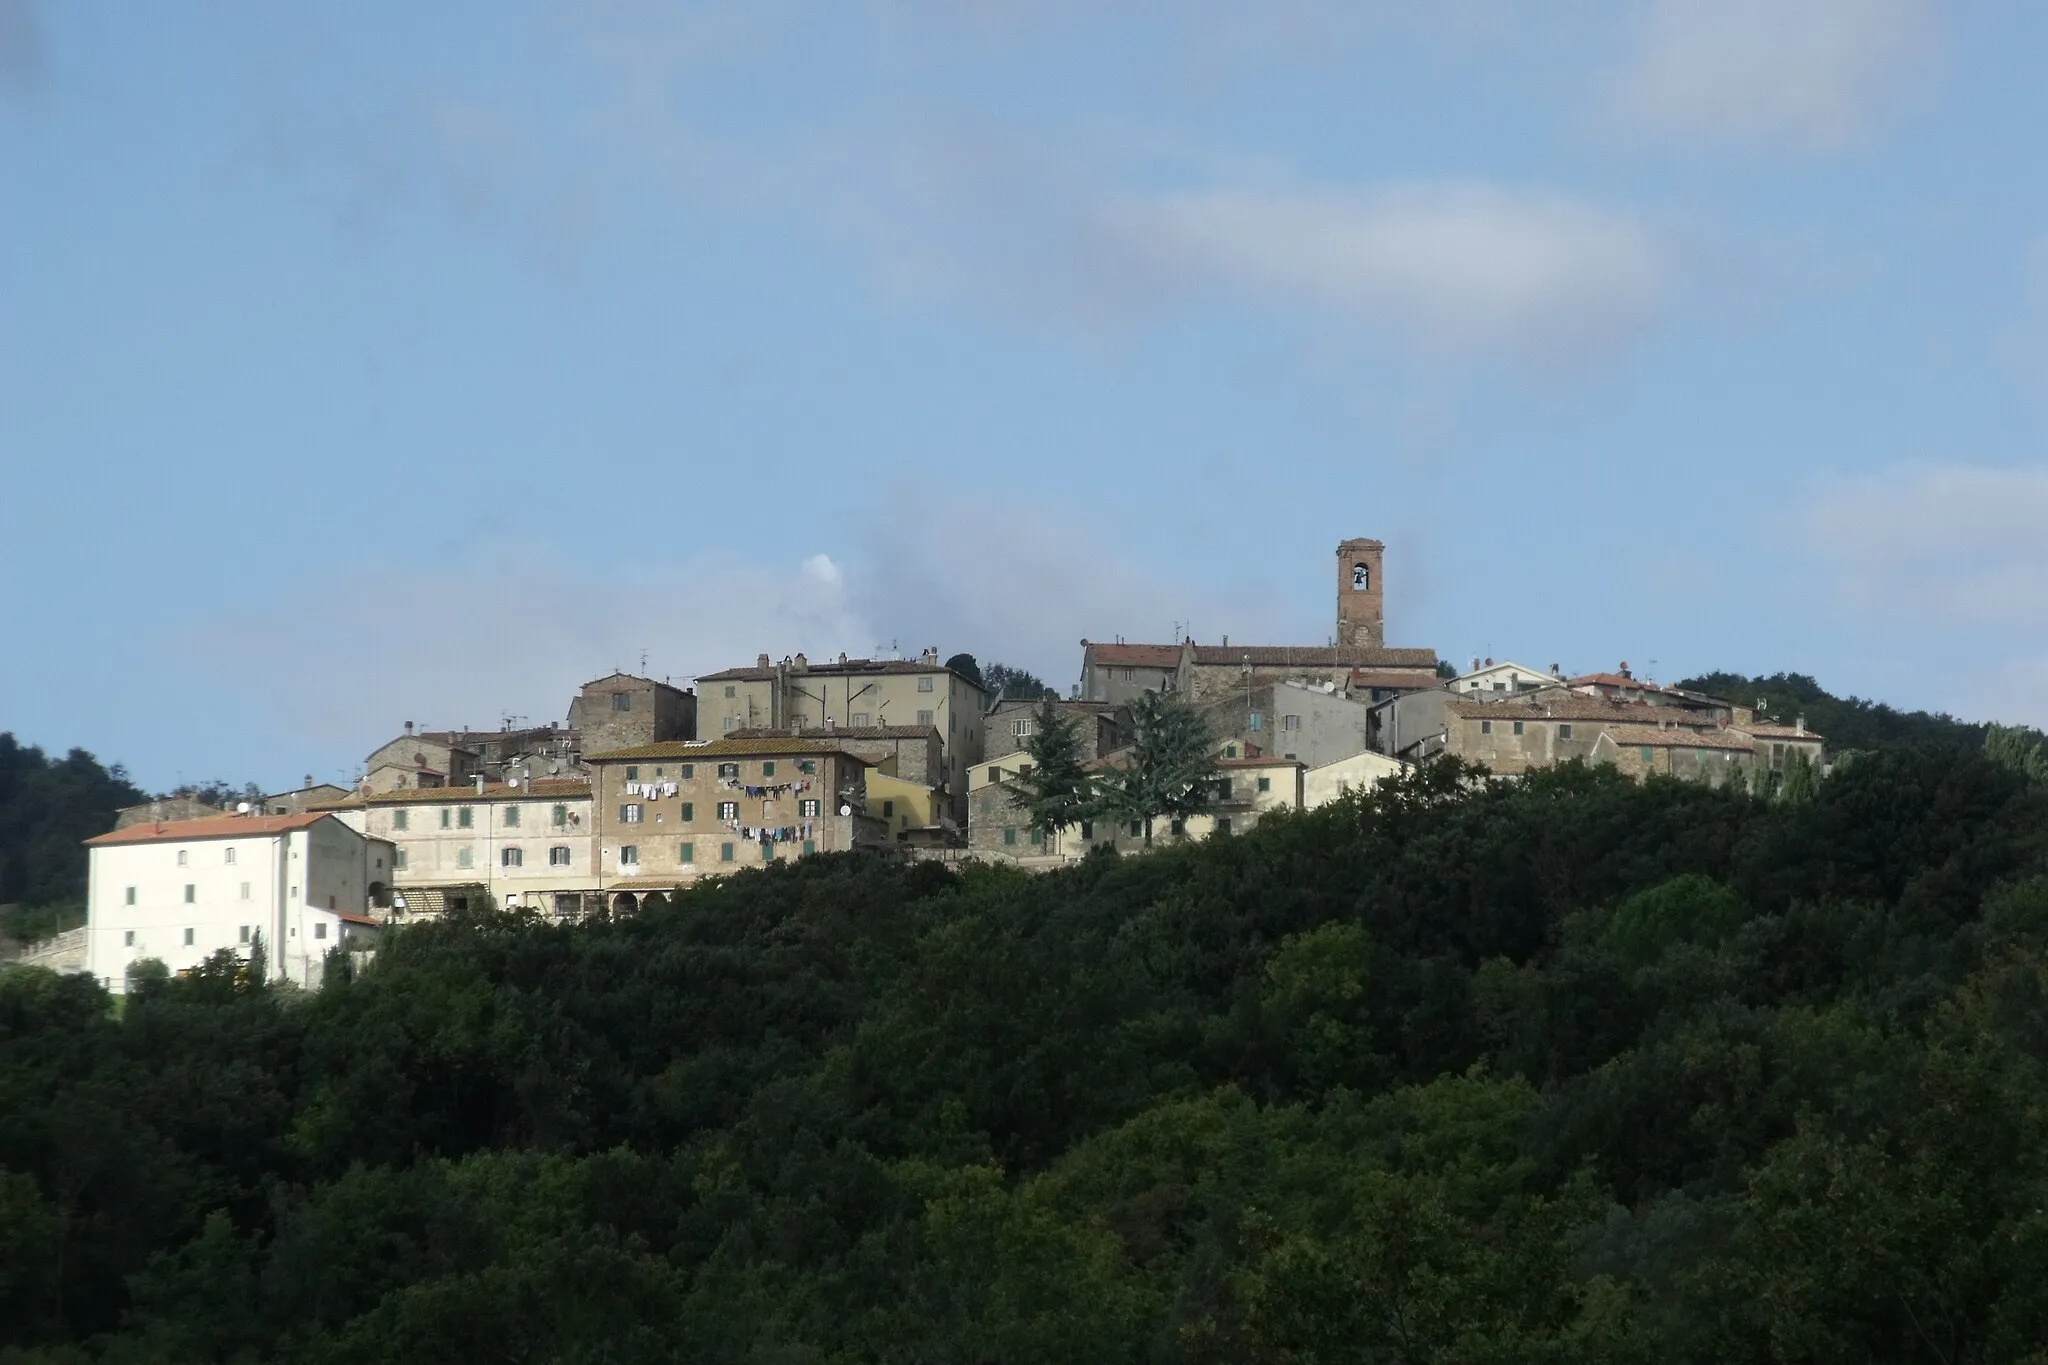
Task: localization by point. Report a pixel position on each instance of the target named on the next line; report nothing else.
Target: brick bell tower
(1361, 595)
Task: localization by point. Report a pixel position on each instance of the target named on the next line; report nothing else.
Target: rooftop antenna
(643, 663)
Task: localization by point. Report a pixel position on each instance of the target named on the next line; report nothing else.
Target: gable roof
(1553, 705)
(208, 827)
(840, 732)
(1314, 656)
(852, 667)
(1131, 656)
(1657, 737)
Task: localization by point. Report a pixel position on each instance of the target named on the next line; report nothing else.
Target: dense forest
(1851, 724)
(1564, 1070)
(48, 807)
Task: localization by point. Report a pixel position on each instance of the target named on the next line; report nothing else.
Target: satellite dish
(846, 810)
(241, 807)
(512, 782)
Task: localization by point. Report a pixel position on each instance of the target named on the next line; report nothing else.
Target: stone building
(914, 753)
(621, 711)
(1538, 731)
(1716, 757)
(165, 808)
(1361, 594)
(668, 815)
(1317, 724)
(852, 694)
(1246, 790)
(419, 760)
(311, 796)
(1118, 674)
(1100, 727)
(519, 845)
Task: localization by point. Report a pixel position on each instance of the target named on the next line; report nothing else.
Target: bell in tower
(1361, 594)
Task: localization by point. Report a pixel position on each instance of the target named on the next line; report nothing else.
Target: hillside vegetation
(1566, 1071)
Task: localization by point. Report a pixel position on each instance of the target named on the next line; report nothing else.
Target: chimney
(801, 662)
(408, 727)
(309, 780)
(931, 657)
(479, 784)
(1624, 669)
(1475, 664)
(1557, 670)
(760, 661)
(1226, 641)
(1799, 725)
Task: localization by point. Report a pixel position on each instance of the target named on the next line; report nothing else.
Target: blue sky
(371, 362)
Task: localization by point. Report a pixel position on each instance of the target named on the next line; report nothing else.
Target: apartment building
(179, 891)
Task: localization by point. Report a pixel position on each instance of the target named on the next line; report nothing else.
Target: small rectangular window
(860, 720)
(689, 771)
(245, 891)
(465, 856)
(1178, 827)
(464, 818)
(188, 938)
(398, 860)
(629, 814)
(808, 809)
(731, 691)
(1009, 834)
(995, 774)
(191, 893)
(1255, 722)
(320, 929)
(245, 934)
(810, 847)
(1649, 754)
(629, 855)
(924, 718)
(1564, 731)
(559, 816)
(1518, 727)
(511, 857)
(181, 858)
(807, 766)
(511, 817)
(732, 722)
(128, 938)
(1087, 829)
(447, 817)
(888, 810)
(728, 810)
(398, 819)
(728, 770)
(1223, 824)
(1137, 828)
(558, 856)
(622, 701)
(924, 684)
(768, 769)
(130, 899)
(1485, 727)
(686, 853)
(1290, 722)
(632, 772)
(725, 853)
(1037, 836)
(1265, 784)
(230, 857)
(767, 853)
(689, 810)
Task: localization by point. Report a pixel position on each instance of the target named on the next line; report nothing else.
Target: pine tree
(1801, 777)
(1171, 769)
(1057, 792)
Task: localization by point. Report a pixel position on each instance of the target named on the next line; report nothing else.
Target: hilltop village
(647, 787)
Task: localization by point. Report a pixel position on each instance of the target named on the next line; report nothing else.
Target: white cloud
(1939, 545)
(1449, 269)
(1810, 74)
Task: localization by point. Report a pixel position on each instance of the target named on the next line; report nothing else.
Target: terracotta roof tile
(853, 667)
(1315, 656)
(541, 789)
(210, 827)
(1779, 732)
(725, 748)
(844, 732)
(1132, 656)
(1656, 737)
(1562, 707)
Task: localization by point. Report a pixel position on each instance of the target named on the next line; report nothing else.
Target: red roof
(1134, 656)
(210, 827)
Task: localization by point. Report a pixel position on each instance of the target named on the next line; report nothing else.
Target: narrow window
(728, 770)
(810, 847)
(686, 853)
(725, 853)
(559, 816)
(730, 691)
(632, 772)
(1265, 784)
(629, 855)
(924, 718)
(188, 938)
(1361, 577)
(732, 722)
(767, 853)
(511, 817)
(622, 701)
(558, 856)
(181, 857)
(768, 769)
(1037, 836)
(1518, 727)
(1255, 722)
(1230, 751)
(689, 771)
(447, 817)
(1649, 754)
(1564, 731)
(128, 939)
(465, 856)
(231, 857)
(995, 774)
(1485, 727)
(245, 933)
(398, 819)
(512, 857)
(924, 684)
(1290, 722)
(689, 810)
(464, 818)
(1137, 828)
(320, 929)
(1010, 834)
(1178, 827)
(191, 893)
(398, 860)
(888, 810)
(1087, 829)
(245, 891)
(808, 810)
(131, 896)
(629, 814)
(1223, 824)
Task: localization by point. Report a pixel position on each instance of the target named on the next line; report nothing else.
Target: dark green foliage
(1561, 1071)
(1849, 723)
(1002, 680)
(47, 807)
(1169, 770)
(1057, 792)
(965, 665)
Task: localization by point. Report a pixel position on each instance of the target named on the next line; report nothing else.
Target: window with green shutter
(1010, 835)
(725, 853)
(689, 810)
(810, 847)
(465, 817)
(686, 853)
(768, 769)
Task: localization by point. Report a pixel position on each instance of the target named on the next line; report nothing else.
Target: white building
(179, 891)
(1507, 678)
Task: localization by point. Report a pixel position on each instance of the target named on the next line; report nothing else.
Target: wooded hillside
(1571, 1070)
